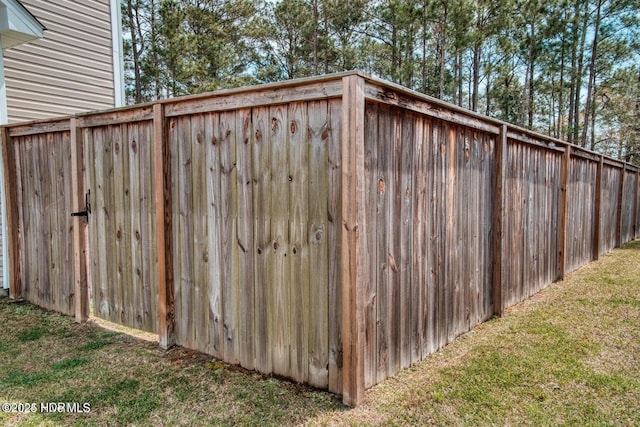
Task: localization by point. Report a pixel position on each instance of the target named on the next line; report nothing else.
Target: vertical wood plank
(244, 245)
(430, 147)
(301, 172)
(184, 247)
(563, 213)
(29, 222)
(370, 290)
(200, 241)
(81, 297)
(334, 242)
(439, 216)
(163, 208)
(51, 161)
(354, 273)
(228, 209)
(394, 249)
(461, 228)
(101, 245)
(383, 184)
(16, 149)
(11, 203)
(118, 285)
(498, 220)
(111, 216)
(65, 226)
(261, 171)
(215, 295)
(407, 282)
(128, 280)
(279, 265)
(42, 233)
(418, 277)
(452, 288)
(148, 247)
(318, 249)
(133, 145)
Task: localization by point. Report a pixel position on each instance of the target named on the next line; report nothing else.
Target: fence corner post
(11, 206)
(498, 221)
(353, 232)
(635, 204)
(563, 212)
(80, 283)
(162, 194)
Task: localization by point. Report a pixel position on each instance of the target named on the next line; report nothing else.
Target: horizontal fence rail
(332, 230)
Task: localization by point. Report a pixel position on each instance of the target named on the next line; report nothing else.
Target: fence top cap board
(204, 101)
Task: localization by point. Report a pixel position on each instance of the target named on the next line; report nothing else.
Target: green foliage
(555, 66)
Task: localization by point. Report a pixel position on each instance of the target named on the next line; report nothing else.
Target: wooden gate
(122, 250)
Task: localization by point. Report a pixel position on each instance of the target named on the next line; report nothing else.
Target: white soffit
(17, 24)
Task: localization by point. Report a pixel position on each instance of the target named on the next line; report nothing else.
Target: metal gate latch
(87, 206)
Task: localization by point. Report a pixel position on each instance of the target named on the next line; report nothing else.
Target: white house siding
(68, 71)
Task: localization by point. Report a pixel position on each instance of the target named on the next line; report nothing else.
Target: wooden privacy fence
(333, 230)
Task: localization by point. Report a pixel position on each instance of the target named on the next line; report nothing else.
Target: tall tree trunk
(580, 72)
(477, 54)
(395, 56)
(487, 97)
(154, 51)
(408, 62)
(592, 76)
(552, 116)
(325, 54)
(316, 24)
(560, 119)
(531, 69)
(442, 50)
(574, 66)
(592, 143)
(135, 50)
(458, 78)
(424, 49)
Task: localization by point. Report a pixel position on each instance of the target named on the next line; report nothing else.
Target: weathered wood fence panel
(429, 202)
(609, 199)
(253, 226)
(332, 230)
(627, 208)
(532, 192)
(581, 212)
(123, 256)
(44, 191)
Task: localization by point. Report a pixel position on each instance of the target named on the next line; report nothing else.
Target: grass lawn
(568, 356)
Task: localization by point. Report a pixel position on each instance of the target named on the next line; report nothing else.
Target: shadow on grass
(50, 358)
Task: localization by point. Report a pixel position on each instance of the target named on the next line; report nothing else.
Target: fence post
(597, 208)
(498, 220)
(80, 284)
(562, 214)
(623, 172)
(162, 192)
(11, 205)
(635, 204)
(354, 267)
